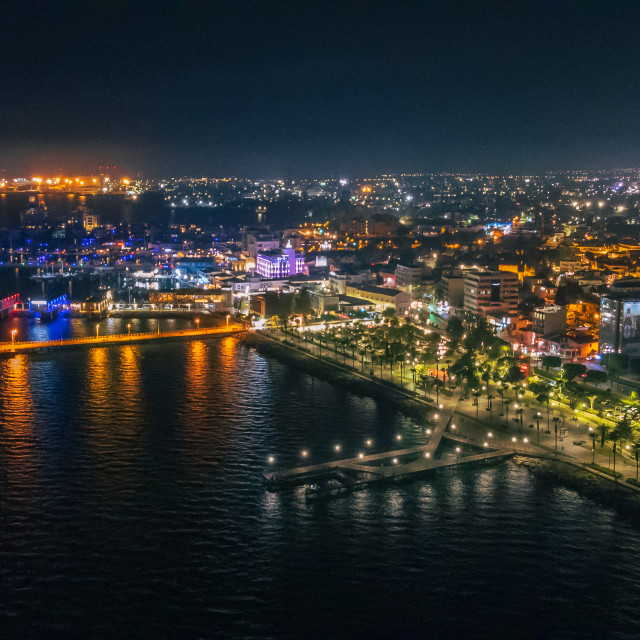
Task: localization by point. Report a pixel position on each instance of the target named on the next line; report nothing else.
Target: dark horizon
(289, 89)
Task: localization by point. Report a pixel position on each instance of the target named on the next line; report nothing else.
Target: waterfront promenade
(121, 338)
(483, 420)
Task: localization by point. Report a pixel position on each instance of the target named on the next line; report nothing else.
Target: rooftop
(381, 291)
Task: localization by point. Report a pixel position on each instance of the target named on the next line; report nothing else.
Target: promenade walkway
(121, 338)
(485, 423)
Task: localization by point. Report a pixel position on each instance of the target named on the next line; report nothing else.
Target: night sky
(290, 89)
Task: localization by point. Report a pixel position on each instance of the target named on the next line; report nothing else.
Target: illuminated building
(620, 318)
(382, 297)
(487, 292)
(280, 263)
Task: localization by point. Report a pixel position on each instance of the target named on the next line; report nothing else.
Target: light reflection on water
(132, 502)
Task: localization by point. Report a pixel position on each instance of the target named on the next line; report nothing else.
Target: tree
(553, 362)
(595, 376)
(603, 433)
(389, 312)
(545, 398)
(303, 302)
(455, 329)
(515, 374)
(635, 447)
(615, 436)
(571, 370)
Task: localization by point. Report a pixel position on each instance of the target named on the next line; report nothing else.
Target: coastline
(601, 489)
(342, 375)
(588, 483)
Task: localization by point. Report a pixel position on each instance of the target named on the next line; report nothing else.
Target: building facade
(549, 320)
(382, 297)
(408, 277)
(280, 263)
(620, 318)
(491, 292)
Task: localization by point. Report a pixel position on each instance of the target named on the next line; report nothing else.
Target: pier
(117, 339)
(352, 474)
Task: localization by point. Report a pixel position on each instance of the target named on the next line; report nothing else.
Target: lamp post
(593, 435)
(228, 316)
(97, 330)
(197, 323)
(129, 327)
(13, 336)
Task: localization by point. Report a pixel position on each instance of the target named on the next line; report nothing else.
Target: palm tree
(506, 404)
(555, 426)
(544, 398)
(635, 447)
(476, 395)
(593, 437)
(615, 437)
(603, 433)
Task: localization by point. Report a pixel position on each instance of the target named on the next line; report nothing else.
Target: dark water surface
(131, 504)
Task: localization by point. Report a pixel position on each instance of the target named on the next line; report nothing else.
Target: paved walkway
(491, 422)
(122, 338)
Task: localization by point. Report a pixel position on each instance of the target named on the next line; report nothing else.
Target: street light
(129, 327)
(228, 316)
(197, 323)
(97, 330)
(13, 336)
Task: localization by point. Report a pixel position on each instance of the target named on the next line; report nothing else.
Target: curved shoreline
(601, 489)
(342, 375)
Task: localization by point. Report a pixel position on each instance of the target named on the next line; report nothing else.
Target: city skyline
(282, 90)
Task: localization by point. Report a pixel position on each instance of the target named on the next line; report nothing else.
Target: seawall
(342, 375)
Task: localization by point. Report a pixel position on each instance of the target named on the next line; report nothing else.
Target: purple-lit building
(280, 263)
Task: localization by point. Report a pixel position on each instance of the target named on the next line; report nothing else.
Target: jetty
(118, 339)
(352, 474)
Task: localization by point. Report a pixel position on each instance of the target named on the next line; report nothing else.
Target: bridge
(7, 305)
(120, 338)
